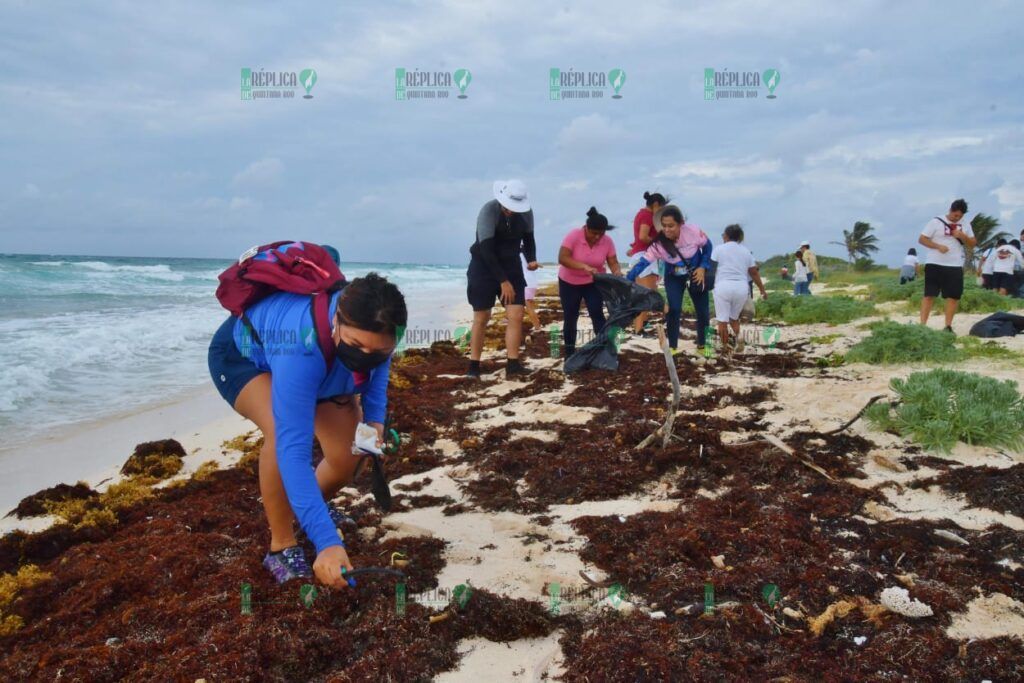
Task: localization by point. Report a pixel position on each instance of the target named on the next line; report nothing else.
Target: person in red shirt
(644, 233)
(584, 251)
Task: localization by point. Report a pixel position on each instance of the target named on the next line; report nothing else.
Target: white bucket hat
(805, 243)
(512, 195)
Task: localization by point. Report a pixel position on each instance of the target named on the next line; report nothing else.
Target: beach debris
(665, 430)
(906, 579)
(860, 640)
(657, 615)
(398, 559)
(160, 459)
(950, 536)
(778, 443)
(792, 613)
(718, 561)
(841, 608)
(888, 463)
(860, 414)
(898, 600)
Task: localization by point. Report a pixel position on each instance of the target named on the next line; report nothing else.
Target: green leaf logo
(617, 77)
(462, 78)
(771, 79)
(307, 77)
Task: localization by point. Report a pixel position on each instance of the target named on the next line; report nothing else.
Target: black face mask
(357, 360)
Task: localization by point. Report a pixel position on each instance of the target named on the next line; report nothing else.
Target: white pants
(730, 296)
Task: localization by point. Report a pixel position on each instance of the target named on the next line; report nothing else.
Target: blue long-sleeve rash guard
(299, 377)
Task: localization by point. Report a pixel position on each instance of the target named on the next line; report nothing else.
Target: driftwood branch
(778, 443)
(856, 417)
(665, 430)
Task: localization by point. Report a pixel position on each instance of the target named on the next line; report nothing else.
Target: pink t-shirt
(596, 256)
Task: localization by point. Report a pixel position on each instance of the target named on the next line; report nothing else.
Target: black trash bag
(998, 325)
(625, 301)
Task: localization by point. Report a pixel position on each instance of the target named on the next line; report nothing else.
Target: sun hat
(512, 195)
(805, 243)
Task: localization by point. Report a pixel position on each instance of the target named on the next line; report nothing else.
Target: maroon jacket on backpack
(287, 266)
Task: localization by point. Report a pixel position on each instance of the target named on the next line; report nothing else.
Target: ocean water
(83, 338)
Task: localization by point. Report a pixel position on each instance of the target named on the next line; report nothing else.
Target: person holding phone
(946, 240)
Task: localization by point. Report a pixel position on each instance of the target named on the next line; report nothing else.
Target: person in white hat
(504, 228)
(811, 261)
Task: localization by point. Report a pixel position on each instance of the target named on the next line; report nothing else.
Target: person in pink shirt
(644, 232)
(584, 251)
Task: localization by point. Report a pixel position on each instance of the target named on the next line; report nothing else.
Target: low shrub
(802, 310)
(891, 342)
(939, 407)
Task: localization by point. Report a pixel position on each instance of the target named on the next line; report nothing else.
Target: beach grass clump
(892, 342)
(803, 310)
(974, 300)
(825, 339)
(10, 584)
(891, 290)
(939, 407)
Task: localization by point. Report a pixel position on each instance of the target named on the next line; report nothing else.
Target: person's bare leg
(723, 334)
(335, 427)
(254, 403)
(531, 311)
(476, 340)
(951, 306)
(513, 330)
(650, 282)
(926, 308)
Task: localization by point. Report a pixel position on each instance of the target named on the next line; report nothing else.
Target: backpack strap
(320, 303)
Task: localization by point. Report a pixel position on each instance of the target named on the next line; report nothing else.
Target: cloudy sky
(123, 132)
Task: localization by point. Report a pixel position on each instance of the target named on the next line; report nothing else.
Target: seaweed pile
(765, 568)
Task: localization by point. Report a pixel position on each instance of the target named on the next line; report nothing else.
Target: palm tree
(984, 227)
(859, 241)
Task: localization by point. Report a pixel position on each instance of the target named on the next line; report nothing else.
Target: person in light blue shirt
(279, 379)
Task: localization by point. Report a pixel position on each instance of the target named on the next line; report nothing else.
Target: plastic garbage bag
(998, 325)
(625, 300)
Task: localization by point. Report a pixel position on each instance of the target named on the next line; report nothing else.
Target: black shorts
(482, 289)
(230, 370)
(1002, 281)
(944, 281)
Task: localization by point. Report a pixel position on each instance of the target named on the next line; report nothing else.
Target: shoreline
(94, 450)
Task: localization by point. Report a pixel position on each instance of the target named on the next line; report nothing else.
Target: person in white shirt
(801, 285)
(986, 264)
(910, 267)
(1004, 258)
(946, 240)
(736, 268)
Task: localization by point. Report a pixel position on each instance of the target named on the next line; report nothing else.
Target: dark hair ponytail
(653, 198)
(734, 232)
(373, 304)
(596, 221)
